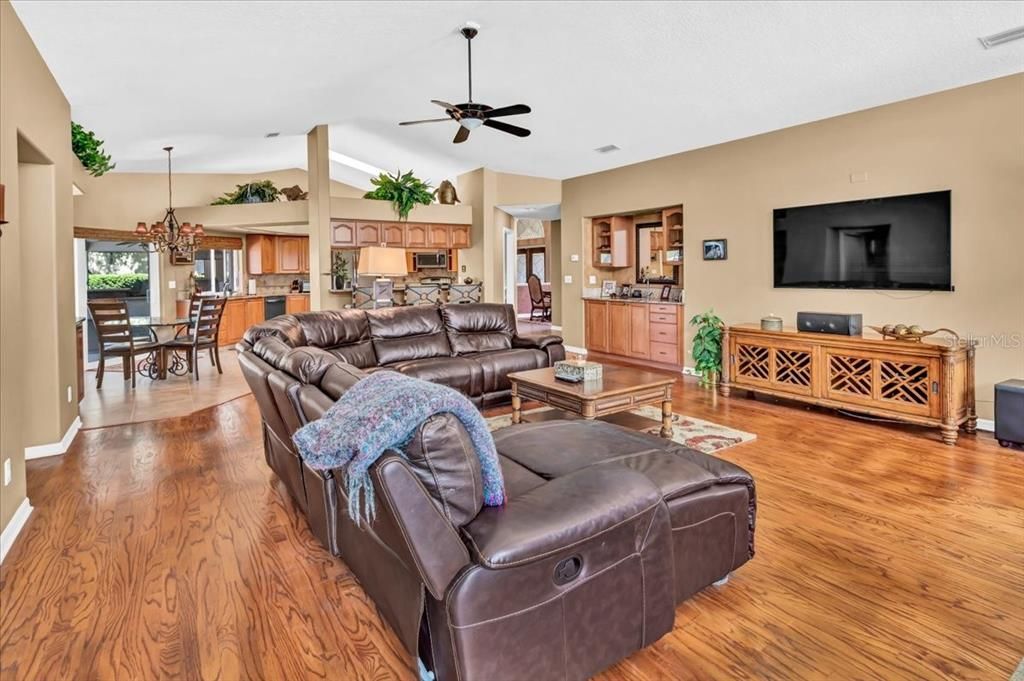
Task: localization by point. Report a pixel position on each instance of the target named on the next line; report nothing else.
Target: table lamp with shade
(382, 262)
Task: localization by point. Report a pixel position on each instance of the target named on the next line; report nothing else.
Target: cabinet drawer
(663, 318)
(665, 352)
(665, 309)
(664, 333)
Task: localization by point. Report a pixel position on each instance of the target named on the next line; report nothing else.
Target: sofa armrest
(536, 341)
(560, 516)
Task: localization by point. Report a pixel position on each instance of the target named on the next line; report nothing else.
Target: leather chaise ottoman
(711, 502)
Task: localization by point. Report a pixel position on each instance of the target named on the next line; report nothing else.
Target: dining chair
(540, 300)
(465, 293)
(203, 333)
(115, 338)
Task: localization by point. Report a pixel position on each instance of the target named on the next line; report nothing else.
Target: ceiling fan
(471, 115)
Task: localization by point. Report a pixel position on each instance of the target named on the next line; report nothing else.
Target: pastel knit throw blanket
(381, 412)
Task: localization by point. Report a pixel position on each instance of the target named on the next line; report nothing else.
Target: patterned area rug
(704, 436)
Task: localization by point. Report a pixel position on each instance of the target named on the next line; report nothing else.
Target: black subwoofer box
(1010, 412)
(830, 322)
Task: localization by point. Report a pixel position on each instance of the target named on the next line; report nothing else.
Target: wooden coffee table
(620, 389)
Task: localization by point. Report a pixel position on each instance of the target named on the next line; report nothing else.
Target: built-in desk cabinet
(646, 333)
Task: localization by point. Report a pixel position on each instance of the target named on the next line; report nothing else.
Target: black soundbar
(830, 322)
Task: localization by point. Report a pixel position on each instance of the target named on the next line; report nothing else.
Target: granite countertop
(636, 301)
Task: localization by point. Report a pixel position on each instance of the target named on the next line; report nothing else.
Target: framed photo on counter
(607, 288)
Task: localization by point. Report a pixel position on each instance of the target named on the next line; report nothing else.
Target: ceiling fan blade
(505, 127)
(446, 105)
(428, 120)
(461, 136)
(513, 110)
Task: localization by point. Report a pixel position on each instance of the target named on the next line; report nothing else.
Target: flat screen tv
(896, 242)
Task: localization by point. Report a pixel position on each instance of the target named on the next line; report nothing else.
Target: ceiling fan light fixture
(471, 123)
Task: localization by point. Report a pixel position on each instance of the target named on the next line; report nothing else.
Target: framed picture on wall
(178, 258)
(716, 249)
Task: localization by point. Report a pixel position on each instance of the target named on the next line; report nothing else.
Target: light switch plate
(172, 284)
(7, 472)
(567, 279)
(574, 258)
(69, 394)
(592, 279)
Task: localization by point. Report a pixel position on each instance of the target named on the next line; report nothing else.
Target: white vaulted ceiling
(212, 78)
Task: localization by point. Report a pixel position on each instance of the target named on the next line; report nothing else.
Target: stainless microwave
(431, 261)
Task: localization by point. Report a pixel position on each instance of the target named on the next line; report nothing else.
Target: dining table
(164, 328)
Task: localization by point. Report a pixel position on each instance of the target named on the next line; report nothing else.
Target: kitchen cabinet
(649, 333)
(368, 234)
(304, 256)
(296, 303)
(415, 235)
(596, 312)
(393, 234)
(260, 254)
(343, 234)
(232, 322)
(289, 254)
(461, 236)
(639, 331)
(439, 236)
(618, 328)
(253, 311)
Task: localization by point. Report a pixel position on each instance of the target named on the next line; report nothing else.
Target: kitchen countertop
(636, 301)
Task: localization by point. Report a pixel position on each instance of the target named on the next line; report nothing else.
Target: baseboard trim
(14, 527)
(55, 448)
(988, 425)
(575, 350)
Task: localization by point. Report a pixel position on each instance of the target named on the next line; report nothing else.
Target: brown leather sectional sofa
(604, 532)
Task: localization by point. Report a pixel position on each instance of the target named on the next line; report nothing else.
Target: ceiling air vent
(606, 149)
(991, 41)
(272, 134)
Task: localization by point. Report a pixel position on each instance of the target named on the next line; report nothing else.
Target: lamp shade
(380, 261)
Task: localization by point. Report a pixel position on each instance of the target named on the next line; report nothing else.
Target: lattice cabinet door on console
(787, 368)
(930, 383)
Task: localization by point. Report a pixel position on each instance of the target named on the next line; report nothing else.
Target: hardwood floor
(167, 550)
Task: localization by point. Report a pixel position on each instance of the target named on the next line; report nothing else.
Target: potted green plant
(707, 347)
(263, 191)
(403, 191)
(89, 150)
(339, 271)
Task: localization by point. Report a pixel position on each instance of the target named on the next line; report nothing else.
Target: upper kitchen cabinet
(368, 234)
(260, 254)
(343, 234)
(439, 236)
(290, 259)
(415, 235)
(393, 234)
(461, 236)
(613, 241)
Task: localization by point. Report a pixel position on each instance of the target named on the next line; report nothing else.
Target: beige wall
(485, 190)
(37, 332)
(969, 140)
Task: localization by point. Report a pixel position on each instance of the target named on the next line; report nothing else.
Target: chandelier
(169, 234)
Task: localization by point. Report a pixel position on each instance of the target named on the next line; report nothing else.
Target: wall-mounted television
(895, 242)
